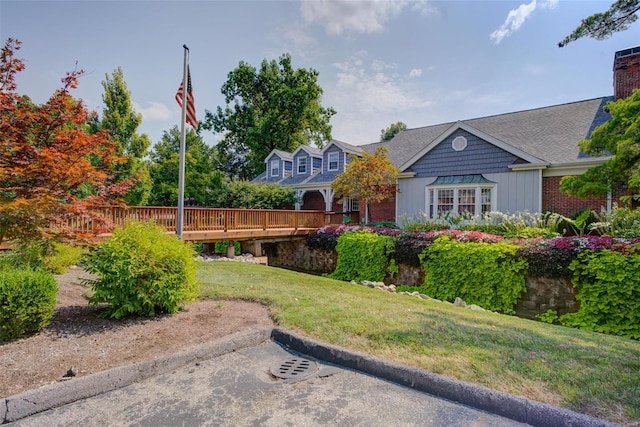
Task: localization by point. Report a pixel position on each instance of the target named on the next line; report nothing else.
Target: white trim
(540, 190)
(271, 168)
(488, 138)
(342, 147)
(577, 168)
(528, 167)
(329, 169)
(456, 187)
(327, 194)
(306, 164)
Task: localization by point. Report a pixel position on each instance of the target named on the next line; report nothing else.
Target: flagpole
(183, 134)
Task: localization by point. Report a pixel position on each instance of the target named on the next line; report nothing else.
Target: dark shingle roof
(549, 133)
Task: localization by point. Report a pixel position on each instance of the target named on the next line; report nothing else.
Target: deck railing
(204, 219)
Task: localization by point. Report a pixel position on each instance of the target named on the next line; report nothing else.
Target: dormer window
(333, 161)
(302, 165)
(275, 167)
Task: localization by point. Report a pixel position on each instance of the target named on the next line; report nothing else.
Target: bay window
(465, 200)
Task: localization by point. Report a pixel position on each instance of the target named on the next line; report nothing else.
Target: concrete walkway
(261, 378)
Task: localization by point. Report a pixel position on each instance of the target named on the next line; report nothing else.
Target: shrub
(27, 301)
(497, 229)
(621, 222)
(382, 224)
(27, 254)
(408, 249)
(362, 256)
(547, 261)
(608, 285)
(142, 270)
(221, 248)
(489, 275)
(62, 257)
(244, 194)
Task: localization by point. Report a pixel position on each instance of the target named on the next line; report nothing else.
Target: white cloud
(516, 17)
(356, 16)
(416, 72)
(155, 111)
(367, 93)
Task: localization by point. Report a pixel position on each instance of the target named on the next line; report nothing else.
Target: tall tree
(46, 155)
(371, 178)
(201, 176)
(388, 133)
(618, 137)
(275, 107)
(602, 25)
(121, 121)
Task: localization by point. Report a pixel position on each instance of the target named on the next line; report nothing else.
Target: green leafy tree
(602, 25)
(388, 133)
(234, 193)
(201, 176)
(274, 107)
(371, 178)
(618, 137)
(122, 122)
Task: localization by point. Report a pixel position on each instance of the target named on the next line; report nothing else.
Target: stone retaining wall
(542, 293)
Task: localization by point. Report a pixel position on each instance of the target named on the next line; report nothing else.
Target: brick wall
(383, 211)
(626, 72)
(554, 200)
(542, 294)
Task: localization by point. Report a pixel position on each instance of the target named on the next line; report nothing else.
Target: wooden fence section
(207, 219)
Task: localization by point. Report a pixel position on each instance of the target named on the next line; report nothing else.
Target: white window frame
(432, 212)
(276, 168)
(351, 205)
(304, 164)
(337, 161)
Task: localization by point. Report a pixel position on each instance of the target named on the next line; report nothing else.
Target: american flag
(191, 103)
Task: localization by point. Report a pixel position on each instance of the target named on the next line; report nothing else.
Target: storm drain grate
(293, 367)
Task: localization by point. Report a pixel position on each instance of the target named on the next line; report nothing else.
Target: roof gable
(343, 146)
(463, 126)
(549, 134)
(282, 155)
(312, 151)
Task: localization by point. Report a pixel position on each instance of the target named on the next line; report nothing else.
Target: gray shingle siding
(325, 161)
(317, 163)
(478, 157)
(323, 177)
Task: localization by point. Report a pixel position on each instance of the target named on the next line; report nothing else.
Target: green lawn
(587, 372)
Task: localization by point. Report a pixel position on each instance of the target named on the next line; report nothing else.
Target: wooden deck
(212, 225)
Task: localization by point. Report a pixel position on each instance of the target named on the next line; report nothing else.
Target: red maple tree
(47, 157)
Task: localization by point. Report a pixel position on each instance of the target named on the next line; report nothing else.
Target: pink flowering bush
(461, 236)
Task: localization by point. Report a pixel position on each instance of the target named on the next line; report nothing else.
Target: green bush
(608, 285)
(143, 270)
(244, 194)
(621, 222)
(221, 248)
(489, 275)
(362, 256)
(27, 301)
(27, 255)
(62, 257)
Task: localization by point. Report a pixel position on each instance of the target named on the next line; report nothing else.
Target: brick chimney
(626, 72)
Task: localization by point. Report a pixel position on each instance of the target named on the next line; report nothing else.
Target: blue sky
(420, 62)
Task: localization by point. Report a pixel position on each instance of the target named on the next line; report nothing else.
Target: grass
(587, 372)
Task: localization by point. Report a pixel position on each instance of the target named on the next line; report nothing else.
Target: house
(310, 171)
(509, 162)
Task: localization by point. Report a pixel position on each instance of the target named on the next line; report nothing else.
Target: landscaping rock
(459, 302)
